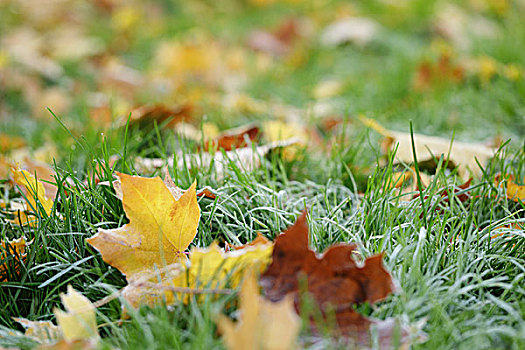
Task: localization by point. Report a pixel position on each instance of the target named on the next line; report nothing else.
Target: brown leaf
(234, 138)
(461, 192)
(277, 43)
(206, 192)
(463, 196)
(334, 280)
(440, 73)
(160, 114)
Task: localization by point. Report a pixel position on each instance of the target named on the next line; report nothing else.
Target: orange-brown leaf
(440, 73)
(8, 142)
(235, 138)
(514, 191)
(260, 239)
(206, 192)
(160, 114)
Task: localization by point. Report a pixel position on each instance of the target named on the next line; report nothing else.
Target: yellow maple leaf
(79, 321)
(209, 267)
(264, 325)
(161, 227)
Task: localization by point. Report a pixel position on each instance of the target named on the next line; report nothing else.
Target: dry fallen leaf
(461, 192)
(161, 226)
(206, 192)
(160, 114)
(33, 189)
(279, 42)
(214, 264)
(44, 332)
(335, 281)
(83, 344)
(207, 268)
(78, 322)
(8, 142)
(276, 130)
(5, 167)
(76, 330)
(444, 72)
(263, 325)
(464, 156)
(246, 159)
(234, 138)
(260, 239)
(35, 194)
(461, 27)
(327, 88)
(11, 255)
(407, 181)
(43, 172)
(514, 191)
(187, 69)
(353, 30)
(508, 230)
(20, 159)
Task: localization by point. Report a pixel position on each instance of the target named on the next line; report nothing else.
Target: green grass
(465, 287)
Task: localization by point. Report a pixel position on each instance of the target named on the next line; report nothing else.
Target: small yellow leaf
(34, 190)
(264, 325)
(79, 321)
(161, 227)
(514, 192)
(208, 268)
(275, 130)
(327, 88)
(15, 249)
(214, 265)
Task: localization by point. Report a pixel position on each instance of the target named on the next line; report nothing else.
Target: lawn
(334, 105)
